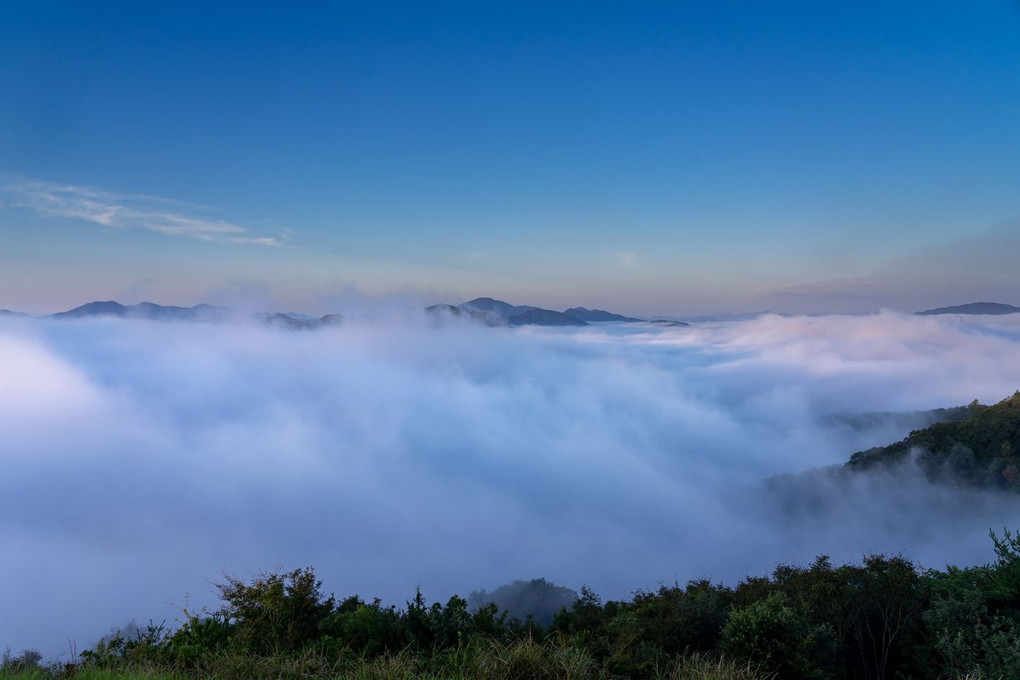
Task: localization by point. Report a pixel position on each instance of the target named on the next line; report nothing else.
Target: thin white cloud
(122, 211)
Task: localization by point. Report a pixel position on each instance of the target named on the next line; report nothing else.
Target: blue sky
(675, 158)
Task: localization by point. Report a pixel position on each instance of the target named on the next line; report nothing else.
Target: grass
(523, 660)
(701, 667)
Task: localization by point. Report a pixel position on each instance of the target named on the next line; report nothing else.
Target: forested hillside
(981, 449)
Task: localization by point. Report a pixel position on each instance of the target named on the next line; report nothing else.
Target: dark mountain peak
(145, 306)
(290, 322)
(488, 304)
(150, 310)
(147, 310)
(492, 312)
(108, 308)
(205, 307)
(443, 307)
(973, 308)
(585, 314)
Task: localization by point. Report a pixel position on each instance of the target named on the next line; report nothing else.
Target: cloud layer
(141, 459)
(120, 211)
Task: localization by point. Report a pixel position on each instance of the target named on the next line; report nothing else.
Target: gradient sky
(675, 158)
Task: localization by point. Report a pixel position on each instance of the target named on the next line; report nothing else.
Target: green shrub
(275, 613)
(769, 635)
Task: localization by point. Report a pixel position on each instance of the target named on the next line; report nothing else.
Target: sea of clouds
(141, 460)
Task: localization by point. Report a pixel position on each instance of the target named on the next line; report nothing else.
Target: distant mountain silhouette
(497, 307)
(292, 322)
(905, 421)
(498, 313)
(544, 317)
(596, 315)
(484, 309)
(490, 311)
(109, 308)
(721, 317)
(973, 308)
(668, 322)
(443, 308)
(200, 312)
(537, 598)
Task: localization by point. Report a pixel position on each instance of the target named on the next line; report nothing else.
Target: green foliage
(527, 658)
(988, 647)
(367, 629)
(131, 645)
(1004, 587)
(973, 620)
(275, 613)
(438, 626)
(768, 633)
(704, 667)
(488, 621)
(28, 660)
(199, 636)
(584, 618)
(981, 450)
(859, 621)
(684, 620)
(880, 619)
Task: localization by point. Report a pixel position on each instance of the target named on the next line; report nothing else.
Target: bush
(769, 635)
(276, 612)
(28, 659)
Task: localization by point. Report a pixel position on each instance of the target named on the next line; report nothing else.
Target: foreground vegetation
(880, 619)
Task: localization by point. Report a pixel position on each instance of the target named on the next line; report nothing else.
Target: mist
(141, 460)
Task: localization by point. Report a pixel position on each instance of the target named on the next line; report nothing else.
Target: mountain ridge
(499, 313)
(487, 310)
(972, 308)
(201, 312)
(585, 314)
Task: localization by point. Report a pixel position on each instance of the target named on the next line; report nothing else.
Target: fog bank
(140, 460)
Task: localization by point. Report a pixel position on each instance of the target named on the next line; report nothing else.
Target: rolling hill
(973, 308)
(983, 449)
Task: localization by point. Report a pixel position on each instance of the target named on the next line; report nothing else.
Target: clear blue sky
(682, 157)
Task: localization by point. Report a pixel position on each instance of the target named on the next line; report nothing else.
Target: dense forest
(882, 618)
(980, 446)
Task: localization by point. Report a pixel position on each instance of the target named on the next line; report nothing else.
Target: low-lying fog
(140, 460)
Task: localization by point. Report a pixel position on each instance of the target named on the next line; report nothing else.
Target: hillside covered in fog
(982, 449)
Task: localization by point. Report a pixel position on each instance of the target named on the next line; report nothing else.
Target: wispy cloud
(123, 211)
